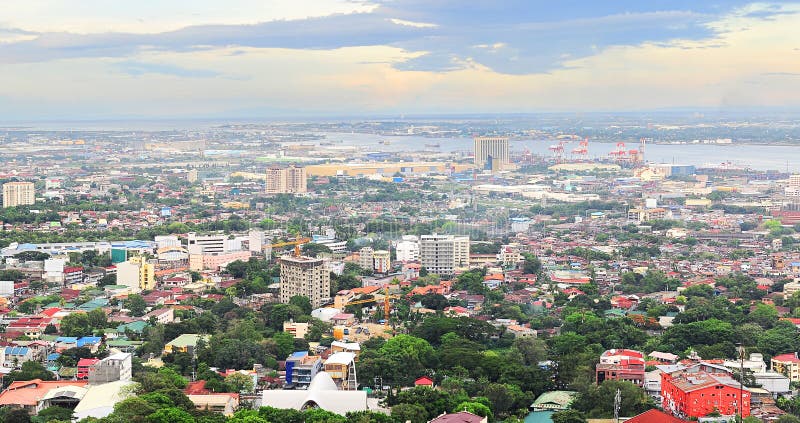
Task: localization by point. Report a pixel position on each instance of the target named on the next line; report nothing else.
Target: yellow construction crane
(297, 243)
(387, 306)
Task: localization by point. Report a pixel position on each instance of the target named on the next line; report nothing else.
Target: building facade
(787, 365)
(290, 180)
(137, 273)
(696, 391)
(444, 254)
(18, 194)
(624, 365)
(408, 249)
(491, 153)
(304, 276)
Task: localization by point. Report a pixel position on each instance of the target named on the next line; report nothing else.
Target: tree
(30, 370)
(568, 416)
(301, 302)
(14, 415)
(109, 279)
(97, 318)
(413, 413)
(170, 415)
(476, 408)
(76, 324)
(764, 315)
(136, 305)
(240, 382)
(434, 301)
(55, 413)
(788, 418)
(313, 249)
(598, 401)
(369, 417)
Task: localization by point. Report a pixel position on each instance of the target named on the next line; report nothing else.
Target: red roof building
(424, 381)
(654, 416)
(626, 365)
(84, 365)
(698, 390)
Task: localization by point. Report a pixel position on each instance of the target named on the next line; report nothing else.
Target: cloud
(410, 23)
(534, 36)
(135, 68)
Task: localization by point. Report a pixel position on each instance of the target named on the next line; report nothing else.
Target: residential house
(28, 394)
(625, 365)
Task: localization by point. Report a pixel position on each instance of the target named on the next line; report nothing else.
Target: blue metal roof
(53, 356)
(16, 350)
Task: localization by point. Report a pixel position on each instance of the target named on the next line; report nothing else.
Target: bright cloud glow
(404, 57)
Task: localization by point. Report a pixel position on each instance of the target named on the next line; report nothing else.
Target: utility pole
(617, 404)
(740, 350)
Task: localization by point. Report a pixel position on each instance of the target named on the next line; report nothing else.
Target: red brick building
(698, 390)
(625, 365)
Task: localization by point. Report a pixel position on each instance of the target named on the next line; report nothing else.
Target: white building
(408, 249)
(330, 242)
(54, 270)
(444, 254)
(257, 239)
(164, 241)
(199, 244)
(322, 393)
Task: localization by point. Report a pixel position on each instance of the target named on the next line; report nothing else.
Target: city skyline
(71, 60)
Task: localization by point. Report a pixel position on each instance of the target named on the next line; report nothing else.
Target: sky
(108, 59)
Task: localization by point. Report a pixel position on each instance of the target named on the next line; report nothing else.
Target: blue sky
(88, 59)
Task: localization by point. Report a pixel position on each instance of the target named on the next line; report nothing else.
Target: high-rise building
(290, 180)
(305, 276)
(491, 153)
(18, 194)
(793, 187)
(444, 254)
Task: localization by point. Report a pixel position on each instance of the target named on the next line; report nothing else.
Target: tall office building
(290, 180)
(491, 153)
(305, 276)
(18, 194)
(444, 254)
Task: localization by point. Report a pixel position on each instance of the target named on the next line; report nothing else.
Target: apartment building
(788, 365)
(444, 254)
(137, 273)
(305, 276)
(18, 194)
(290, 180)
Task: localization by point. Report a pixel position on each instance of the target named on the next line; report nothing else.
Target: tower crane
(297, 243)
(387, 306)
